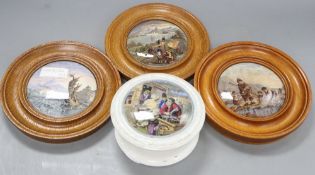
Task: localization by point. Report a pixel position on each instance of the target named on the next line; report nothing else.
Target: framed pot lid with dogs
(156, 37)
(253, 92)
(60, 91)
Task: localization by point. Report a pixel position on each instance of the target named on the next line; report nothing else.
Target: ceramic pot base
(157, 119)
(159, 158)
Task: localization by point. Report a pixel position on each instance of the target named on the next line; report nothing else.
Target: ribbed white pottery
(157, 118)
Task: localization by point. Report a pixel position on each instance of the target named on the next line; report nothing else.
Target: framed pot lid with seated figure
(157, 118)
(60, 91)
(253, 93)
(156, 37)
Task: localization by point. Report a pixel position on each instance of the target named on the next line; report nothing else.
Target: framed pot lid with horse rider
(156, 37)
(60, 91)
(254, 93)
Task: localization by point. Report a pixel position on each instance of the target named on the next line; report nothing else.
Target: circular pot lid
(157, 112)
(60, 91)
(253, 93)
(156, 37)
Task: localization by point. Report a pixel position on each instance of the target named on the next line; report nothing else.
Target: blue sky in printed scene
(173, 89)
(252, 73)
(144, 31)
(61, 84)
(148, 26)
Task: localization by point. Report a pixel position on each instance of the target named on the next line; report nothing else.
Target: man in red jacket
(175, 111)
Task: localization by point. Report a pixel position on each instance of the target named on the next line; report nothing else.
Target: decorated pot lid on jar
(253, 92)
(156, 37)
(157, 118)
(60, 91)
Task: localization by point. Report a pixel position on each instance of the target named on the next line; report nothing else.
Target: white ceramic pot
(157, 118)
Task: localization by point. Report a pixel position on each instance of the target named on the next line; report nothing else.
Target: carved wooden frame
(247, 129)
(117, 33)
(58, 130)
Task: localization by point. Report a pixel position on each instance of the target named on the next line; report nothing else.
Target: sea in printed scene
(157, 43)
(158, 108)
(62, 88)
(251, 89)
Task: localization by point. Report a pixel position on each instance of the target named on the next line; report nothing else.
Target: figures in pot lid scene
(251, 89)
(157, 43)
(157, 108)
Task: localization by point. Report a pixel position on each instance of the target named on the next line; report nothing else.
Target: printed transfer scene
(157, 43)
(251, 89)
(61, 89)
(158, 108)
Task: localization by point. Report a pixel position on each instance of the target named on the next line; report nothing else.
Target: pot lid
(157, 111)
(156, 37)
(253, 92)
(59, 91)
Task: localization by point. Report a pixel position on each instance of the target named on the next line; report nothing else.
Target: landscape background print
(157, 43)
(62, 96)
(251, 90)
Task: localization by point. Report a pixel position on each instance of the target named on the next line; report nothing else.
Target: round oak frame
(58, 130)
(117, 34)
(248, 129)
